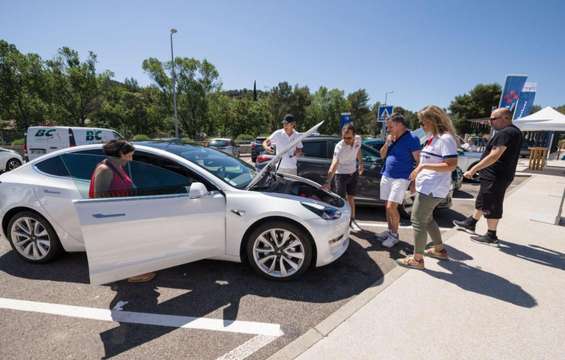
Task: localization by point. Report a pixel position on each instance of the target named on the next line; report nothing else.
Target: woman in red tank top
(111, 180)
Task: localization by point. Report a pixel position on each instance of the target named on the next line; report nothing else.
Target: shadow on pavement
(211, 286)
(481, 282)
(534, 253)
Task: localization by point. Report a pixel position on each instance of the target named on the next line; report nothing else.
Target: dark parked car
(376, 144)
(314, 165)
(257, 147)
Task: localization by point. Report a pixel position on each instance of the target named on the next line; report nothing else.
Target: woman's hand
(415, 172)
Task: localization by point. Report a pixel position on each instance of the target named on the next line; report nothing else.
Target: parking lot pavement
(229, 294)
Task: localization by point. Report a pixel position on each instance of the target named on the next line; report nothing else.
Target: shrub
(141, 137)
(244, 138)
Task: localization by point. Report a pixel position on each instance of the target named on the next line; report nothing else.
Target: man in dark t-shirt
(496, 171)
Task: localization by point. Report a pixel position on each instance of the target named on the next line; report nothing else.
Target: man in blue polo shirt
(401, 152)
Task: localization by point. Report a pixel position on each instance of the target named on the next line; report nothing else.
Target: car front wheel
(33, 238)
(279, 251)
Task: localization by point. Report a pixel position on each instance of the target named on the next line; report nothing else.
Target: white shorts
(394, 189)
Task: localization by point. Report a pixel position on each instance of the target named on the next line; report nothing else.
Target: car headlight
(325, 212)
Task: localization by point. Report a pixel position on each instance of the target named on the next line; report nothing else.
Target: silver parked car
(9, 160)
(225, 145)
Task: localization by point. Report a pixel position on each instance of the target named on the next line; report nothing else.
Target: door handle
(104, 216)
(52, 192)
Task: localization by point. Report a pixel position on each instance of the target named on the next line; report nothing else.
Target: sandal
(142, 278)
(432, 252)
(411, 262)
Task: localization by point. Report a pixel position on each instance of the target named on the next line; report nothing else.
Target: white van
(40, 140)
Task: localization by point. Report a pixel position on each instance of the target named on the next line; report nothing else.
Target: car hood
(272, 164)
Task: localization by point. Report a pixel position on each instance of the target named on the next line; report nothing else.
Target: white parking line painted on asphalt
(384, 225)
(186, 322)
(248, 348)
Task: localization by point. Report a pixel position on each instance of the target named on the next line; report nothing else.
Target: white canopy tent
(547, 119)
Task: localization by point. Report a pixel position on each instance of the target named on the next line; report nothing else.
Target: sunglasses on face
(348, 138)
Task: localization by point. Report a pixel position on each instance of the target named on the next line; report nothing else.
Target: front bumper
(331, 237)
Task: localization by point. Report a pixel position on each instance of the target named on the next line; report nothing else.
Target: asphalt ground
(228, 292)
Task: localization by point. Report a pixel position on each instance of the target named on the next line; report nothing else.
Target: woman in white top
(438, 159)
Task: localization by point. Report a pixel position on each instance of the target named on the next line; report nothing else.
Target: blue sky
(425, 51)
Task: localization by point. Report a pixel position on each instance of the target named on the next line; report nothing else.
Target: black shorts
(346, 184)
(491, 197)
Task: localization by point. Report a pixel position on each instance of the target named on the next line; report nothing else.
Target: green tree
(77, 91)
(478, 103)
(326, 105)
(361, 114)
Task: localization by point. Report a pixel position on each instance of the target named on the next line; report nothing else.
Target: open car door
(169, 220)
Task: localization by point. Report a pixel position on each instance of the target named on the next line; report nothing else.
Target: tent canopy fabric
(547, 119)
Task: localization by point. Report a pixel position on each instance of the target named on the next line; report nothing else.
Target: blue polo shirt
(399, 161)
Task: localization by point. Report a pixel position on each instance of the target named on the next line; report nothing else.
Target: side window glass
(369, 154)
(53, 166)
(331, 148)
(135, 178)
(314, 149)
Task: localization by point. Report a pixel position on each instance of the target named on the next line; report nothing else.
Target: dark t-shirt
(505, 167)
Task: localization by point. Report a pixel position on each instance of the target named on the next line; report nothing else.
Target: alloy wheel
(12, 164)
(279, 253)
(31, 238)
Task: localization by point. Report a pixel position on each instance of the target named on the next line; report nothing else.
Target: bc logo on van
(45, 132)
(93, 135)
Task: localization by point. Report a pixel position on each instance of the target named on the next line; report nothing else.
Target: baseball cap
(288, 118)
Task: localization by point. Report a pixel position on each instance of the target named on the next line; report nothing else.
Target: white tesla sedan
(189, 203)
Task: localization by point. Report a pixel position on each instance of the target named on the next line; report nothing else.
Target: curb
(304, 342)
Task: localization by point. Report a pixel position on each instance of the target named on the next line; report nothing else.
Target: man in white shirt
(282, 139)
(347, 153)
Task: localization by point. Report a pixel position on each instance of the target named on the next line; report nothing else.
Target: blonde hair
(440, 121)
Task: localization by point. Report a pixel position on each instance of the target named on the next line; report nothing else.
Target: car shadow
(482, 282)
(211, 287)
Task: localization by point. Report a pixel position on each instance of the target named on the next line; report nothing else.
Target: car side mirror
(197, 190)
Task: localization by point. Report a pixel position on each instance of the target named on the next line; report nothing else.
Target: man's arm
(384, 149)
(416, 155)
(331, 173)
(267, 145)
(490, 159)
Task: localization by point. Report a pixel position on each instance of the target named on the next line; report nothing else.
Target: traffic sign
(384, 112)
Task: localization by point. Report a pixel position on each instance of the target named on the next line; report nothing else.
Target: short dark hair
(117, 147)
(399, 118)
(348, 127)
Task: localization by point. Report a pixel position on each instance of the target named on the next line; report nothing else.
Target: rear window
(53, 166)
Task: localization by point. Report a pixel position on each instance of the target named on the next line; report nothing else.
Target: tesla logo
(44, 132)
(93, 135)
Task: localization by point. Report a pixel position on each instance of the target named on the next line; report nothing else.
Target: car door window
(52, 166)
(331, 148)
(315, 149)
(369, 154)
(150, 174)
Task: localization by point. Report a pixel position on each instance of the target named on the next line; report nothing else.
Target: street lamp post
(173, 31)
(386, 95)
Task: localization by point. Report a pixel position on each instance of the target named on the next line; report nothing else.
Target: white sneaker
(383, 236)
(390, 241)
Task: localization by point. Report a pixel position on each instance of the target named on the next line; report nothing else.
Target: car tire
(12, 164)
(42, 244)
(277, 259)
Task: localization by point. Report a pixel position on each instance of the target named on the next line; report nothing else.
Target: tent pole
(550, 144)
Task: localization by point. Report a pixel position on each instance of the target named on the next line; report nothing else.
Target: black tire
(12, 164)
(55, 248)
(297, 234)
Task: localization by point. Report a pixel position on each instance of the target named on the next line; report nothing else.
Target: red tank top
(121, 185)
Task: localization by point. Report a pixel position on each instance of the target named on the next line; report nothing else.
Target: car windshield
(233, 171)
(219, 143)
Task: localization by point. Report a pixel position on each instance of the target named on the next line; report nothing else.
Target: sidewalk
(505, 302)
